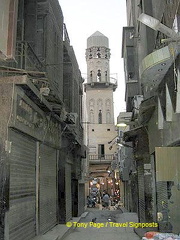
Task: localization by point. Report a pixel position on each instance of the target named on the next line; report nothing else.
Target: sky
(82, 19)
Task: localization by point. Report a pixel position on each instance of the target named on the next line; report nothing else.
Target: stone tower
(99, 105)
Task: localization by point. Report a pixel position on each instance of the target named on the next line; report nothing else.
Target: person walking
(105, 201)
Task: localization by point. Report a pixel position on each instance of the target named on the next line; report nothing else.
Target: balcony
(26, 58)
(101, 159)
(155, 66)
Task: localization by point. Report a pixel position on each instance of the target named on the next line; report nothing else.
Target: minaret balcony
(102, 84)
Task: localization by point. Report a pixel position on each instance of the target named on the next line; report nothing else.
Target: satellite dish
(157, 26)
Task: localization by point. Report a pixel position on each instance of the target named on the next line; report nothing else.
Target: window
(91, 103)
(91, 116)
(100, 104)
(108, 130)
(92, 130)
(91, 76)
(101, 150)
(106, 76)
(99, 76)
(100, 117)
(108, 117)
(108, 104)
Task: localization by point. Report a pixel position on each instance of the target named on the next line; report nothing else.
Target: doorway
(101, 151)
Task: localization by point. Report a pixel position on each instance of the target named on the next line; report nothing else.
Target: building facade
(100, 109)
(151, 58)
(41, 136)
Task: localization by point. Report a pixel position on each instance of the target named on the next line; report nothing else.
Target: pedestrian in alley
(105, 201)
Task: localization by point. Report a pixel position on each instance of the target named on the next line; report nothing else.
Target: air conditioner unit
(136, 105)
(71, 118)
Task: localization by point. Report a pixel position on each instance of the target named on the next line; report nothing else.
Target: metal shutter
(81, 199)
(47, 188)
(154, 197)
(68, 191)
(22, 187)
(141, 193)
(162, 203)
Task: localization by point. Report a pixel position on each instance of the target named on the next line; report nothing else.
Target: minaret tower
(99, 105)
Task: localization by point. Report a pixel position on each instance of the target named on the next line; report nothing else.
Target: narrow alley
(108, 224)
(89, 119)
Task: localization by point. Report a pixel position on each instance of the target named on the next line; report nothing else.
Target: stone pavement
(59, 231)
(106, 232)
(114, 225)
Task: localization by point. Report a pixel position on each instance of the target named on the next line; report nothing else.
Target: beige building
(101, 132)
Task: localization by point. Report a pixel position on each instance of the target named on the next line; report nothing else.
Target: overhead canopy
(130, 135)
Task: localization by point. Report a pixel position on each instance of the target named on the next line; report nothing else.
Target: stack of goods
(160, 236)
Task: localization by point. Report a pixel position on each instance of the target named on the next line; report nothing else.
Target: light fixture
(124, 145)
(157, 26)
(121, 125)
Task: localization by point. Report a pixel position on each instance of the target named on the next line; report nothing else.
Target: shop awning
(130, 135)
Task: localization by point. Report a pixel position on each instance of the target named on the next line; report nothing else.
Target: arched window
(106, 76)
(100, 117)
(108, 117)
(91, 76)
(108, 104)
(91, 116)
(99, 76)
(91, 103)
(100, 104)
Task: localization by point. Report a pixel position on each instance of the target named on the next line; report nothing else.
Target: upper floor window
(91, 76)
(99, 76)
(91, 116)
(108, 117)
(100, 117)
(100, 104)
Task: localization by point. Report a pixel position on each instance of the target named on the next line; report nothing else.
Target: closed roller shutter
(162, 204)
(47, 189)
(22, 187)
(68, 192)
(81, 199)
(154, 196)
(141, 193)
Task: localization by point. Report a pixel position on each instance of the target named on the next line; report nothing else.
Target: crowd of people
(105, 200)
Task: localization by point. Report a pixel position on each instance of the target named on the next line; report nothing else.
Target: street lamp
(157, 26)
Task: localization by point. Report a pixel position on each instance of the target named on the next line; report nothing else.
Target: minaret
(99, 105)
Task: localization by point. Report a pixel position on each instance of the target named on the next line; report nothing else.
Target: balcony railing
(26, 58)
(106, 157)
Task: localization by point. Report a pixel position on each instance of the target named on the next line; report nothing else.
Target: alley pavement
(104, 224)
